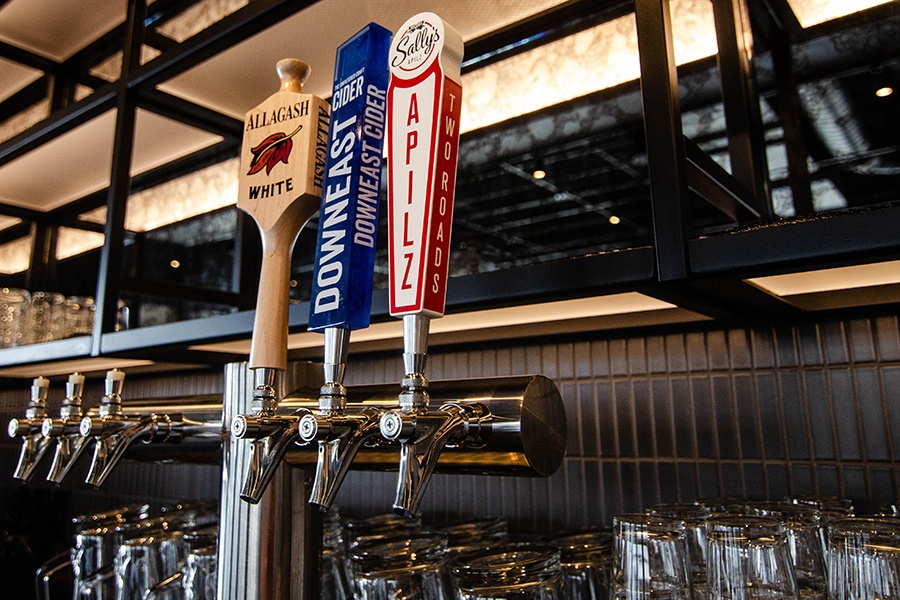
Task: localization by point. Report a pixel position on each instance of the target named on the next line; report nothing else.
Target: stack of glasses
(739, 550)
(36, 317)
(128, 554)
(390, 557)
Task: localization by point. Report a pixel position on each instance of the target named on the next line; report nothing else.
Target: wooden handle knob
(293, 73)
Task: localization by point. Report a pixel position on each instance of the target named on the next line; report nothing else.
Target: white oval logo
(415, 47)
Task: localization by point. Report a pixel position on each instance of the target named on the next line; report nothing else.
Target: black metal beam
(189, 113)
(247, 261)
(746, 144)
(58, 123)
(15, 232)
(110, 276)
(26, 97)
(665, 139)
(154, 39)
(715, 185)
(41, 273)
(194, 161)
(19, 212)
(826, 240)
(544, 27)
(24, 57)
(233, 29)
(787, 103)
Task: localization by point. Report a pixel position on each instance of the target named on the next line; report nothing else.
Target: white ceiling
(13, 77)
(57, 29)
(78, 163)
(235, 81)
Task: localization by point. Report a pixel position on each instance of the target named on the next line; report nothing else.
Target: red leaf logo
(272, 150)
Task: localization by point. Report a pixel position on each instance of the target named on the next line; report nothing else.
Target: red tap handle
(424, 100)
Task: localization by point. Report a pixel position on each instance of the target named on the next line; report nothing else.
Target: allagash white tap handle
(282, 167)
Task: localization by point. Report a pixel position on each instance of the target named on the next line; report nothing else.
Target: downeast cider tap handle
(424, 102)
(341, 299)
(282, 168)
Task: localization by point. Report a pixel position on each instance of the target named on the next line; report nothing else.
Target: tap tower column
(341, 297)
(424, 101)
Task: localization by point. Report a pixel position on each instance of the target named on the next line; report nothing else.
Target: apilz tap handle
(424, 102)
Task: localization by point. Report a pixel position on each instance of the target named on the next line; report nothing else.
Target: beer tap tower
(269, 545)
(424, 102)
(345, 252)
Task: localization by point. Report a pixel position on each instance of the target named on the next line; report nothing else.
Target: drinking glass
(473, 534)
(863, 559)
(142, 563)
(366, 530)
(333, 584)
(200, 574)
(748, 559)
(523, 571)
(650, 558)
(586, 562)
(46, 317)
(694, 517)
(411, 568)
(802, 526)
(79, 316)
(97, 536)
(14, 305)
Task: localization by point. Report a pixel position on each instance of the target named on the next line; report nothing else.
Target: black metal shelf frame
(674, 268)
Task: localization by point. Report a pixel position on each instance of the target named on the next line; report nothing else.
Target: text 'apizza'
(424, 101)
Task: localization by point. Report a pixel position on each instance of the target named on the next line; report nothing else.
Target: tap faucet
(66, 430)
(281, 195)
(340, 434)
(341, 297)
(114, 431)
(421, 431)
(271, 435)
(421, 191)
(34, 445)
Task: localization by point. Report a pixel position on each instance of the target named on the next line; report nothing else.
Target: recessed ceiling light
(884, 91)
(614, 220)
(539, 174)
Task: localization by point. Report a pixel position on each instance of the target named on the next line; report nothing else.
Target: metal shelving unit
(701, 271)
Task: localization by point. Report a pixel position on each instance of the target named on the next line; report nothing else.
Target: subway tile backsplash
(762, 411)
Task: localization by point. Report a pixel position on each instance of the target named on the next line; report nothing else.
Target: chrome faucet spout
(66, 430)
(340, 437)
(68, 448)
(34, 445)
(423, 434)
(271, 437)
(112, 439)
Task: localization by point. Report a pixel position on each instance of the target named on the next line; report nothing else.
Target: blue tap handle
(348, 218)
